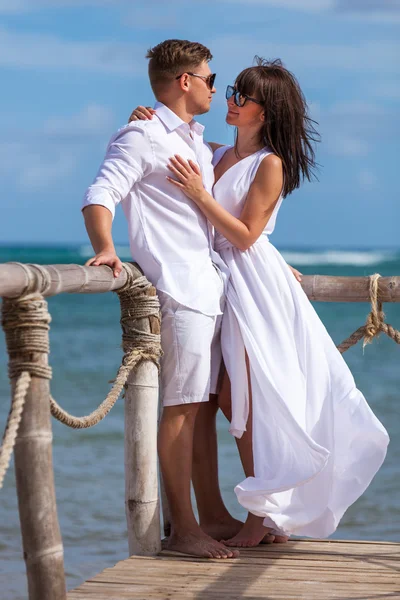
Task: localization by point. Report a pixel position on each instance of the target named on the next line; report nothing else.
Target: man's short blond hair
(171, 58)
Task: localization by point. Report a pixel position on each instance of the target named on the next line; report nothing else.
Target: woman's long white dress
(316, 443)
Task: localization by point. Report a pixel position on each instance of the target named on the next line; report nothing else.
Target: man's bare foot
(201, 545)
(252, 533)
(222, 528)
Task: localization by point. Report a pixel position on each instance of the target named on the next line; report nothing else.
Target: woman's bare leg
(253, 531)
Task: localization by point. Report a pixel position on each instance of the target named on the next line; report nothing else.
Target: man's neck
(179, 108)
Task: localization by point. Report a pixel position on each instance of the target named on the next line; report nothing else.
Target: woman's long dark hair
(287, 130)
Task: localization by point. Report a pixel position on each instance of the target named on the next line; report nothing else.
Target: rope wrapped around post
(26, 322)
(137, 346)
(375, 323)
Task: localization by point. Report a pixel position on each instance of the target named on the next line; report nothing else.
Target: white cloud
(25, 6)
(92, 121)
(34, 166)
(45, 172)
(353, 129)
(375, 56)
(303, 5)
(28, 50)
(378, 11)
(40, 159)
(368, 6)
(341, 144)
(378, 18)
(385, 89)
(365, 120)
(162, 15)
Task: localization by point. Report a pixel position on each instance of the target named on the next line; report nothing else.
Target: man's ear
(184, 81)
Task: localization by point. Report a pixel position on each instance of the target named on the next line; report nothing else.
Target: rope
(26, 322)
(13, 421)
(138, 346)
(375, 323)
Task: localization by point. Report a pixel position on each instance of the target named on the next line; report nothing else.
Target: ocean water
(89, 464)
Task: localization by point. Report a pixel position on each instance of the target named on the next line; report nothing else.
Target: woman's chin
(230, 119)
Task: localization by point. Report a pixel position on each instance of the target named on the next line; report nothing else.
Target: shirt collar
(172, 121)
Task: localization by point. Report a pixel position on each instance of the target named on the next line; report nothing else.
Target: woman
(309, 443)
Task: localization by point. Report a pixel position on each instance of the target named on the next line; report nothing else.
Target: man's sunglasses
(209, 79)
(238, 98)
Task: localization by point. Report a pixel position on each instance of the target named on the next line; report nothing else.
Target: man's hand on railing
(106, 257)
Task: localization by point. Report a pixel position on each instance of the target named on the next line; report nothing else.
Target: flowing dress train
(316, 443)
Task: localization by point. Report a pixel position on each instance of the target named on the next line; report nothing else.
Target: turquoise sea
(89, 464)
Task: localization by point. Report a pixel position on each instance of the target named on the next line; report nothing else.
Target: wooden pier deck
(312, 570)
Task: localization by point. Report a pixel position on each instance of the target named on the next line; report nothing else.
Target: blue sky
(72, 70)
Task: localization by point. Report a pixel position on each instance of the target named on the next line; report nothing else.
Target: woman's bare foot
(280, 539)
(252, 533)
(202, 546)
(223, 528)
(277, 539)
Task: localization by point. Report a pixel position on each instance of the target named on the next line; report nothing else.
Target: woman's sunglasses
(209, 79)
(238, 98)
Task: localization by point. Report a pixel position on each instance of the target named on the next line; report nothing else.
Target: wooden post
(141, 480)
(41, 538)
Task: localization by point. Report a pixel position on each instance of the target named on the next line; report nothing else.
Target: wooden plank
(305, 547)
(370, 562)
(219, 591)
(333, 568)
(295, 576)
(126, 571)
(313, 570)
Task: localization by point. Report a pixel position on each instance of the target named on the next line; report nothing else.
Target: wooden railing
(30, 425)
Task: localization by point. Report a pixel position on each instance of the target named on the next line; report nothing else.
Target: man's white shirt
(169, 236)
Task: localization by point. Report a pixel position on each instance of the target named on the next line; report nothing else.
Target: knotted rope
(375, 323)
(26, 322)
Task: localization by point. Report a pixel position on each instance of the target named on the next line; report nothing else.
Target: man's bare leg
(253, 531)
(175, 447)
(215, 519)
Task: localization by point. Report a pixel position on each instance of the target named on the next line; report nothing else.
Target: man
(172, 242)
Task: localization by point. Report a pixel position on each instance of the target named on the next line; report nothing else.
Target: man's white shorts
(192, 358)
